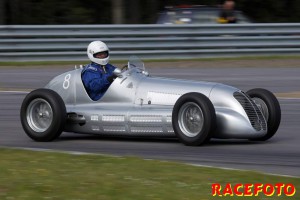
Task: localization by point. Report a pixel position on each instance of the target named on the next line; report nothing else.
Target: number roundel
(66, 83)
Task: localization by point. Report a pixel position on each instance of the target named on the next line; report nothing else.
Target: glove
(111, 78)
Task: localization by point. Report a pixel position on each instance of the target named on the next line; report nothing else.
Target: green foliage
(135, 11)
(59, 12)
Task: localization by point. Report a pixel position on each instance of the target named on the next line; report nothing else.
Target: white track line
(14, 91)
(234, 169)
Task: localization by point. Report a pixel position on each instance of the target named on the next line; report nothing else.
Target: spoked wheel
(270, 108)
(193, 119)
(39, 115)
(43, 115)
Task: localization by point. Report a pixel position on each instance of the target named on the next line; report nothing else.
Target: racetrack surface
(279, 155)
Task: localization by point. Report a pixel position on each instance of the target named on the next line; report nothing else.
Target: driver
(98, 75)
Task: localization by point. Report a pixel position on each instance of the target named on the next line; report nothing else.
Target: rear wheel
(270, 107)
(193, 119)
(43, 115)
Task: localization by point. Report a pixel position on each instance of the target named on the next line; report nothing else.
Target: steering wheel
(124, 68)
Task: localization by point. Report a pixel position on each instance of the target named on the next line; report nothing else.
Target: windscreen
(135, 62)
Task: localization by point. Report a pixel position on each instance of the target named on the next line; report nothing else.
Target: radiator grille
(254, 114)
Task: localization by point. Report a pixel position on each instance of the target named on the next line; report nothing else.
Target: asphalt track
(279, 155)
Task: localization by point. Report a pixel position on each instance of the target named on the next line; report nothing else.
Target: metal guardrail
(69, 42)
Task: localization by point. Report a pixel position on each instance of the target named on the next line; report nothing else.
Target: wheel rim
(190, 119)
(39, 115)
(262, 106)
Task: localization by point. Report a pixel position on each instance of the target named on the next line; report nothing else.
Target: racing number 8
(66, 83)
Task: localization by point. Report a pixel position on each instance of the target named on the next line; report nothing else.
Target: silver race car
(137, 104)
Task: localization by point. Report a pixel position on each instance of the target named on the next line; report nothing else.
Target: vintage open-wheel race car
(137, 104)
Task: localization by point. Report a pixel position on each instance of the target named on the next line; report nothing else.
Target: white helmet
(97, 47)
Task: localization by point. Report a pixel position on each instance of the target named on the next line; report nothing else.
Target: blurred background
(25, 12)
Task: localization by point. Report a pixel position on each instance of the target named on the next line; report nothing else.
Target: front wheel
(43, 115)
(193, 119)
(270, 107)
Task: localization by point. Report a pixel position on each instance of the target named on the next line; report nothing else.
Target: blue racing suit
(96, 79)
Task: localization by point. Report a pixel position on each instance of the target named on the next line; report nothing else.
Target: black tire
(43, 115)
(273, 112)
(204, 114)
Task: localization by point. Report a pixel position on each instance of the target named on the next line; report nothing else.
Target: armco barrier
(69, 42)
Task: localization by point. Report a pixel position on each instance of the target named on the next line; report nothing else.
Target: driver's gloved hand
(111, 78)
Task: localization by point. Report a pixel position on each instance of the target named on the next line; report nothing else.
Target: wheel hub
(39, 115)
(190, 119)
(262, 106)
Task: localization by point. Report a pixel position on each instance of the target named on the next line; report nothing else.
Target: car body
(196, 15)
(137, 104)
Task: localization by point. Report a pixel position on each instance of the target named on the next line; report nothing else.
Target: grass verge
(47, 175)
(67, 63)
(295, 94)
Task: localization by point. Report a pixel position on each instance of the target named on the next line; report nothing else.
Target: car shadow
(76, 136)
(218, 142)
(156, 139)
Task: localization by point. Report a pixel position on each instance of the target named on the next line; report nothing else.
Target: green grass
(47, 175)
(68, 63)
